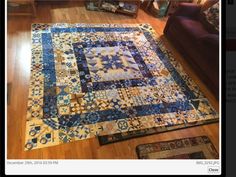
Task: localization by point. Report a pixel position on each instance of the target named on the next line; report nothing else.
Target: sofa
(197, 40)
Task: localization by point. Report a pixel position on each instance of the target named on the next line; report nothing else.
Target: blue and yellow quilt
(91, 80)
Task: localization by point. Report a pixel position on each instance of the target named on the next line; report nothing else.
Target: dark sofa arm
(188, 10)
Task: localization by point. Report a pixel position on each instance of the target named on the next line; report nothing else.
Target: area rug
(199, 147)
(90, 80)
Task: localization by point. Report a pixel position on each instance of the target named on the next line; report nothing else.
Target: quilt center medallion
(111, 63)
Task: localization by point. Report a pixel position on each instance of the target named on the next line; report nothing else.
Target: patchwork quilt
(90, 80)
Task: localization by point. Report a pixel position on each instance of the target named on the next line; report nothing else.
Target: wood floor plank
(19, 38)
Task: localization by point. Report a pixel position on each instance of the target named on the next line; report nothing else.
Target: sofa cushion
(190, 27)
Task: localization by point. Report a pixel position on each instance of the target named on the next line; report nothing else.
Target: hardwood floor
(18, 72)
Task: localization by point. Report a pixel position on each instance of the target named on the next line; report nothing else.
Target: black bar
(231, 2)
